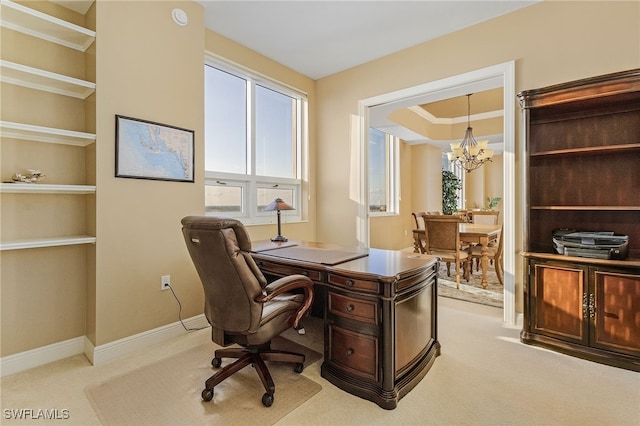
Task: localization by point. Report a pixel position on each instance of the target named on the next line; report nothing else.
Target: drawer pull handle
(350, 308)
(349, 352)
(349, 283)
(305, 273)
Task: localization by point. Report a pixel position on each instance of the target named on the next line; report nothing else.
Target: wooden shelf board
(45, 134)
(39, 188)
(46, 81)
(37, 24)
(46, 242)
(588, 208)
(589, 150)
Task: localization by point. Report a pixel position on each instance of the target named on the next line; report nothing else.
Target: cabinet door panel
(558, 301)
(617, 314)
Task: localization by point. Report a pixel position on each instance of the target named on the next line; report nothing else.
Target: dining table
(481, 234)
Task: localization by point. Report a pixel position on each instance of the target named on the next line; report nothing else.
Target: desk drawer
(350, 283)
(354, 353)
(279, 269)
(348, 307)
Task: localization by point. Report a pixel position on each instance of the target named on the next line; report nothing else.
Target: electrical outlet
(165, 282)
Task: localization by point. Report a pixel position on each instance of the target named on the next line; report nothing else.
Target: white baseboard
(112, 350)
(16, 363)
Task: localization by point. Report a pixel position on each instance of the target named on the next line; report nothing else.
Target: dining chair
(494, 253)
(485, 217)
(442, 239)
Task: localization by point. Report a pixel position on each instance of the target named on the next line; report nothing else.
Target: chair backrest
(417, 216)
(442, 233)
(220, 249)
(486, 217)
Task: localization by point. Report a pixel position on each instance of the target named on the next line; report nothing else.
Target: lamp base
(279, 239)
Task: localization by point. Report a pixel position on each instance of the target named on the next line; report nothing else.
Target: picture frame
(150, 150)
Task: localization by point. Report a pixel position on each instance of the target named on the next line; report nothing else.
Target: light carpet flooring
(484, 376)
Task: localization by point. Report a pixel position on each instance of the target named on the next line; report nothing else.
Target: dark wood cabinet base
(581, 351)
(387, 399)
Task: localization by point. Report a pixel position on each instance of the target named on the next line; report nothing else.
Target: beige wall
(148, 67)
(551, 42)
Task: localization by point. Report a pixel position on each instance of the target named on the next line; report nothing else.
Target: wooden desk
(379, 309)
(480, 234)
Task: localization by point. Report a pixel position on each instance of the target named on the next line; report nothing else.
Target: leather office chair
(442, 239)
(240, 305)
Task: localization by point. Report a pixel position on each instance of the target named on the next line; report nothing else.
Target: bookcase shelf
(46, 242)
(32, 22)
(582, 169)
(39, 188)
(46, 81)
(30, 132)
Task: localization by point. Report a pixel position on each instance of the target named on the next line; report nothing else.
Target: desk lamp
(278, 205)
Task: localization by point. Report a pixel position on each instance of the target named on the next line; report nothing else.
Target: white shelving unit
(45, 134)
(47, 242)
(38, 24)
(46, 81)
(39, 188)
(34, 23)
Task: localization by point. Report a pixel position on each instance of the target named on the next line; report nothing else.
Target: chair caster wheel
(216, 362)
(267, 399)
(207, 395)
(299, 367)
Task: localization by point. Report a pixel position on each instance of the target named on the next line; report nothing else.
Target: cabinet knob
(305, 273)
(349, 352)
(350, 308)
(349, 283)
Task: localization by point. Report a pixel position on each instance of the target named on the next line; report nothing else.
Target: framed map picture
(147, 150)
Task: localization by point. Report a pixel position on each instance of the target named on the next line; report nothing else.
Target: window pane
(267, 195)
(275, 134)
(377, 171)
(225, 122)
(222, 199)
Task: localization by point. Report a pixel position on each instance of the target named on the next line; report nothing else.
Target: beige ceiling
(482, 102)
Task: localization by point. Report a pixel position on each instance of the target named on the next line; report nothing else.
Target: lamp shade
(277, 204)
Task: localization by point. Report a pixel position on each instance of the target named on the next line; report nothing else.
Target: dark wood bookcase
(583, 172)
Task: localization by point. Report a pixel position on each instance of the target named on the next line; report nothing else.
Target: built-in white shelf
(40, 188)
(46, 242)
(32, 22)
(30, 132)
(46, 81)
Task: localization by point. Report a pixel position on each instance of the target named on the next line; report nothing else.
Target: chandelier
(469, 154)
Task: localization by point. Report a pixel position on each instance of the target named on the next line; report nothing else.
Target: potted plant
(450, 184)
(492, 203)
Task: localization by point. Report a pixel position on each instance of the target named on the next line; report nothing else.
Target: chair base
(255, 356)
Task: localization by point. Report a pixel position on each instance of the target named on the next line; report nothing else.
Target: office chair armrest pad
(286, 285)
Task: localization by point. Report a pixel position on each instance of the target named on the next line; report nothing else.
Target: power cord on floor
(180, 312)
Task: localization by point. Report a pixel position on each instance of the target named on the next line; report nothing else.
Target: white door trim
(500, 75)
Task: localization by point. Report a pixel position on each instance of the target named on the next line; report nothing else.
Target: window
(384, 182)
(254, 139)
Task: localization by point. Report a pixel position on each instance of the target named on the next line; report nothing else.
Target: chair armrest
(285, 285)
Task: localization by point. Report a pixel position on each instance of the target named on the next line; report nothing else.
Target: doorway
(501, 75)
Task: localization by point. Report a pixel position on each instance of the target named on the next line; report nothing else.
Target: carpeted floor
(471, 291)
(167, 392)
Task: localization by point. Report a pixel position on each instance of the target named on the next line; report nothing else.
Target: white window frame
(393, 183)
(250, 182)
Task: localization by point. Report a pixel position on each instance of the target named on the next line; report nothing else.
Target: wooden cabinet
(584, 309)
(582, 173)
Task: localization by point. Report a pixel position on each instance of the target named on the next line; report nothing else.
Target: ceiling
(320, 38)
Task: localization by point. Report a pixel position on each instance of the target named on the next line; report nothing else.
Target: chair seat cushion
(449, 256)
(276, 317)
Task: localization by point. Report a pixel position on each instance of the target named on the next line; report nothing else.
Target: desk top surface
(381, 263)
